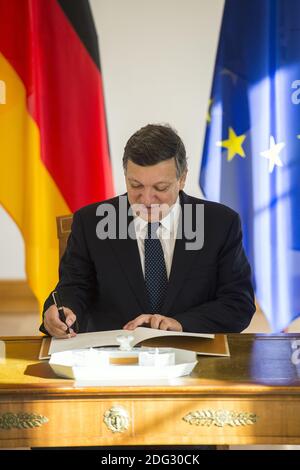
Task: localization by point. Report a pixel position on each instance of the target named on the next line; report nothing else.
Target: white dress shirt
(166, 232)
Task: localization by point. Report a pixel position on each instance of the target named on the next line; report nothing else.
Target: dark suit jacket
(209, 289)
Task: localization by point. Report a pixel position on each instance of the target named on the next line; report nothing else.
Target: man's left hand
(154, 321)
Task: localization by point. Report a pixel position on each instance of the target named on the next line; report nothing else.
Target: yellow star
(208, 115)
(233, 144)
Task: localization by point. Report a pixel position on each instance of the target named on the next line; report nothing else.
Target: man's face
(153, 189)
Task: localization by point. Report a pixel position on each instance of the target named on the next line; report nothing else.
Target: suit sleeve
(233, 307)
(77, 279)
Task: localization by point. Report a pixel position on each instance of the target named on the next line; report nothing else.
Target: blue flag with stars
(251, 156)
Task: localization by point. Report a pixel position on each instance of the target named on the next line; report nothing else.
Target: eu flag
(251, 156)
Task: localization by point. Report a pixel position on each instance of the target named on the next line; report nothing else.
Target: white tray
(64, 364)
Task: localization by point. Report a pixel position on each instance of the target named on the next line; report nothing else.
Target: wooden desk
(253, 397)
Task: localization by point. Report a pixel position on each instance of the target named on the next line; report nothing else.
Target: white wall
(157, 60)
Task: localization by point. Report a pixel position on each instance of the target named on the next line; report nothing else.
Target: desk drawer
(150, 420)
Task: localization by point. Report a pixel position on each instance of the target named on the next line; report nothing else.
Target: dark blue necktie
(156, 278)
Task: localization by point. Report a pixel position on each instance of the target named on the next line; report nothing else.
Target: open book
(202, 343)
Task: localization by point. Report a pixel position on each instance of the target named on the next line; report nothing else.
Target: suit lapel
(127, 254)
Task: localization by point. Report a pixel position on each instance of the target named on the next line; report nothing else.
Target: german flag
(53, 138)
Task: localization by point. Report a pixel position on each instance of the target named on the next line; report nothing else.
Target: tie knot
(152, 229)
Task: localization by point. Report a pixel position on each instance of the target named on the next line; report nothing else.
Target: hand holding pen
(60, 308)
(60, 321)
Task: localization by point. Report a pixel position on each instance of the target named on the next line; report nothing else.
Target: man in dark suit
(154, 256)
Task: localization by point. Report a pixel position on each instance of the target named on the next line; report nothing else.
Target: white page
(109, 338)
(142, 333)
(86, 340)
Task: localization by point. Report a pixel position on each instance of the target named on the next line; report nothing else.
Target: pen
(60, 309)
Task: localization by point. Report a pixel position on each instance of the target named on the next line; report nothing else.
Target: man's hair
(153, 144)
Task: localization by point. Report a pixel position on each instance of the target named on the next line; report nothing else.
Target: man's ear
(182, 180)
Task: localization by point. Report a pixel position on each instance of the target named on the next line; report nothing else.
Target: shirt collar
(170, 222)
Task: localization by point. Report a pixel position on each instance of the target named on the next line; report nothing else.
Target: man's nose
(148, 197)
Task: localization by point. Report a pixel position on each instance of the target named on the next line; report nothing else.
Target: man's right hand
(55, 326)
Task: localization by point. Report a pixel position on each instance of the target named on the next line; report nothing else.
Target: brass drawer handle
(21, 420)
(116, 419)
(220, 418)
